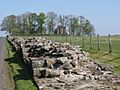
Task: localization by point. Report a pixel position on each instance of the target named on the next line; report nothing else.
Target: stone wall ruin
(61, 66)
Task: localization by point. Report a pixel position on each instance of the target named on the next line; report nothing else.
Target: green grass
(22, 78)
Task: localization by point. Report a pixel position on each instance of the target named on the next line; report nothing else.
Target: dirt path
(5, 83)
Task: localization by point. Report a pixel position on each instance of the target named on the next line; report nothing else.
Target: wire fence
(98, 43)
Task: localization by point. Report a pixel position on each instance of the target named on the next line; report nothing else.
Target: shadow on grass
(100, 54)
(18, 68)
(118, 67)
(112, 60)
(20, 71)
(106, 54)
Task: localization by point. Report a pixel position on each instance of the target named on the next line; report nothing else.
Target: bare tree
(51, 22)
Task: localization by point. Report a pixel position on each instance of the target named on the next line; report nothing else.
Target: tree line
(47, 24)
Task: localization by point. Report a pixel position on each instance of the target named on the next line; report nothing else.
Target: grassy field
(20, 74)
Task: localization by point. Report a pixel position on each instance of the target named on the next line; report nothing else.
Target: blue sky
(103, 14)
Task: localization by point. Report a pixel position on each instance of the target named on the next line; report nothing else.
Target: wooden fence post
(57, 38)
(77, 40)
(50, 37)
(70, 39)
(62, 39)
(98, 42)
(109, 43)
(90, 42)
(66, 38)
(83, 41)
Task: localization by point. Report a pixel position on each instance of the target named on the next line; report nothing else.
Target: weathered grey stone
(66, 66)
(44, 72)
(105, 67)
(62, 60)
(73, 63)
(48, 62)
(37, 64)
(54, 73)
(76, 71)
(69, 53)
